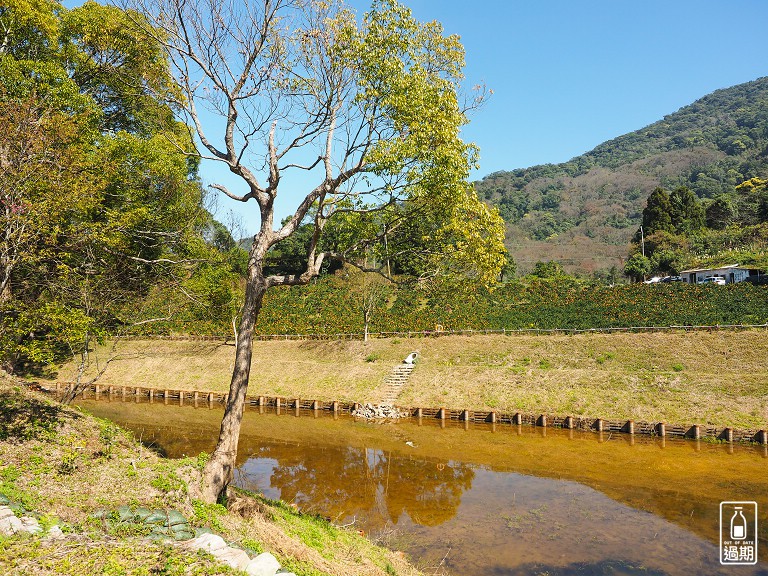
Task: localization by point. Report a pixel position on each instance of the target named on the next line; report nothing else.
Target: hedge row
(330, 307)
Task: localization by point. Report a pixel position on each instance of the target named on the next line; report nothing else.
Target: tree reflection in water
(375, 485)
(631, 505)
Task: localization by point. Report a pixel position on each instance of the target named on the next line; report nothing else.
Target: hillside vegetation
(680, 231)
(584, 212)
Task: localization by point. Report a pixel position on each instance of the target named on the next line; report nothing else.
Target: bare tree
(367, 112)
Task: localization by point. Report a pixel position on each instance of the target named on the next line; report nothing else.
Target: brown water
(488, 499)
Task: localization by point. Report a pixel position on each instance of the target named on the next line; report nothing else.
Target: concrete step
(394, 383)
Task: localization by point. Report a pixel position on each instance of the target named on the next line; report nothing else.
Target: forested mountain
(584, 212)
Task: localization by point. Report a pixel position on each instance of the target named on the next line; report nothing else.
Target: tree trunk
(5, 285)
(219, 470)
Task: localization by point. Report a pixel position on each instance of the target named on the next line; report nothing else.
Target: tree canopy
(363, 115)
(93, 193)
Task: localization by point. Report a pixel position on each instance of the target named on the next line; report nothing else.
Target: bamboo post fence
(542, 421)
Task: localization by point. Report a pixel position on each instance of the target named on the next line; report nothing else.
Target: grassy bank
(63, 465)
(718, 378)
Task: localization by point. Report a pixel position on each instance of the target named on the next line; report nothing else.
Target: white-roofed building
(732, 274)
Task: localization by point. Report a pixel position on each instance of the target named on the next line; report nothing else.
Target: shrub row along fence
(331, 307)
(198, 398)
(438, 333)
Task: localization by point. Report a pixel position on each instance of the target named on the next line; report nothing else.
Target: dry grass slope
(718, 378)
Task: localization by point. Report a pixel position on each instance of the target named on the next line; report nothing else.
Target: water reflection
(373, 487)
(489, 500)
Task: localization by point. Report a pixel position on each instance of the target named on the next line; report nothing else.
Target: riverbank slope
(62, 466)
(718, 378)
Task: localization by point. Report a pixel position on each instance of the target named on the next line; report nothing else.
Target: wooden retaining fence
(543, 421)
(197, 398)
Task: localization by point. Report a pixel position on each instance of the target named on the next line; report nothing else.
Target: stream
(490, 499)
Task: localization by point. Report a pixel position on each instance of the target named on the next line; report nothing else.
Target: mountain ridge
(583, 212)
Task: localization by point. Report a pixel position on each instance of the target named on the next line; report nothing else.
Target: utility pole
(386, 251)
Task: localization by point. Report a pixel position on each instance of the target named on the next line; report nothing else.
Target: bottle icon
(738, 525)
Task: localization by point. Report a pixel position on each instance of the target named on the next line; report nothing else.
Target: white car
(654, 280)
(719, 280)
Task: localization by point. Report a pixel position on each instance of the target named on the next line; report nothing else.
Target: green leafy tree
(720, 213)
(28, 28)
(657, 215)
(687, 213)
(666, 262)
(96, 199)
(752, 201)
(637, 267)
(550, 269)
(369, 108)
(38, 156)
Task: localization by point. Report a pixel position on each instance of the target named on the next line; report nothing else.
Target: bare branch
(274, 171)
(308, 168)
(151, 320)
(165, 260)
(223, 189)
(78, 387)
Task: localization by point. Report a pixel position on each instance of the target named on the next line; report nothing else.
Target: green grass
(110, 557)
(313, 530)
(167, 480)
(210, 515)
(62, 466)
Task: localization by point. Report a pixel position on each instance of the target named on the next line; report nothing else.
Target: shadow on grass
(154, 447)
(26, 418)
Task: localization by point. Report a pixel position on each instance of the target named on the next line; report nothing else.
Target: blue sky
(568, 75)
